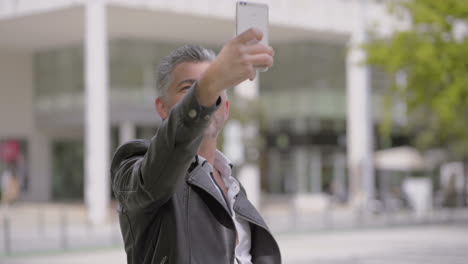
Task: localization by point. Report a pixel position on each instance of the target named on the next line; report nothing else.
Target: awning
(400, 159)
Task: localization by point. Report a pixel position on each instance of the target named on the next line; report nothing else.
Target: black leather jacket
(169, 209)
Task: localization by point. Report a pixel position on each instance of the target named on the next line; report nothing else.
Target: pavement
(400, 245)
(60, 233)
(421, 244)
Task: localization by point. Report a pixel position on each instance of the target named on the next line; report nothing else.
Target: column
(274, 171)
(249, 174)
(316, 170)
(300, 168)
(39, 174)
(301, 159)
(97, 132)
(359, 117)
(127, 132)
(339, 175)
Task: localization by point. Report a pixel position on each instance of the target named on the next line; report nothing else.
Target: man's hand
(234, 64)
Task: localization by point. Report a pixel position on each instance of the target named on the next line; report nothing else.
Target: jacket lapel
(264, 251)
(243, 207)
(200, 177)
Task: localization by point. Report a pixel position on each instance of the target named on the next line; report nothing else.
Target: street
(428, 244)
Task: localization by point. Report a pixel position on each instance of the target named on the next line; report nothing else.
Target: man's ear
(161, 108)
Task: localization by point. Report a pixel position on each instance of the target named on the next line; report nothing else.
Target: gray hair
(186, 53)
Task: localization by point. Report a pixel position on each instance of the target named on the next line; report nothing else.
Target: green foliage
(435, 63)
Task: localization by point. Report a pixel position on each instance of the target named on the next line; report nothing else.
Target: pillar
(359, 117)
(249, 174)
(316, 170)
(39, 174)
(97, 127)
(300, 168)
(339, 176)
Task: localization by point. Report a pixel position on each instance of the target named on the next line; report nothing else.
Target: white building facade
(77, 79)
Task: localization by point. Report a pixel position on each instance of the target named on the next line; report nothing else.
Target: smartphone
(249, 15)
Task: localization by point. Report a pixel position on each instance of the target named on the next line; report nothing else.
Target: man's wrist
(208, 89)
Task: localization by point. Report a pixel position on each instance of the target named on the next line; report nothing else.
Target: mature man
(178, 200)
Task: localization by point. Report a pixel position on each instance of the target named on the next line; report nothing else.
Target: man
(178, 201)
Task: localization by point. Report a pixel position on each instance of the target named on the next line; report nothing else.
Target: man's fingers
(249, 35)
(259, 48)
(261, 59)
(252, 73)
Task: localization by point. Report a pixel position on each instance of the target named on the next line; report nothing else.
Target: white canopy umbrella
(399, 159)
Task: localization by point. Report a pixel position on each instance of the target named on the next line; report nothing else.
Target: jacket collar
(221, 163)
(199, 176)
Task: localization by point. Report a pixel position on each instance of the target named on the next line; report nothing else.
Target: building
(77, 79)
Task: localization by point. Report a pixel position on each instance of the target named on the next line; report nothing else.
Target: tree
(432, 54)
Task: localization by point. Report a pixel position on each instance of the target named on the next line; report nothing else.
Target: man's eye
(185, 88)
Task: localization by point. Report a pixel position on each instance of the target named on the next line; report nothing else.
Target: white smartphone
(249, 15)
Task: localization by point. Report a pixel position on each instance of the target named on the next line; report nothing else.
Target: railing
(50, 227)
(34, 228)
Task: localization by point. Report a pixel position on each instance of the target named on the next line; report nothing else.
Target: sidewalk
(428, 244)
(35, 229)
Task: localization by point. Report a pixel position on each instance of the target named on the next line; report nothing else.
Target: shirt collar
(221, 163)
(224, 166)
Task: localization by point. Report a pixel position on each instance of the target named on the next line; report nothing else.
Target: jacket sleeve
(146, 173)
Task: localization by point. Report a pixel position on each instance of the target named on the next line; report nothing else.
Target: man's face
(183, 76)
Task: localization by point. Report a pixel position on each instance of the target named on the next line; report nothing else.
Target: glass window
(303, 65)
(68, 170)
(61, 70)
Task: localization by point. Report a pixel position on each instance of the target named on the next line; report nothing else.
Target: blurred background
(354, 146)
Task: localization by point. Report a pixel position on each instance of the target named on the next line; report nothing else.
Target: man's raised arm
(146, 173)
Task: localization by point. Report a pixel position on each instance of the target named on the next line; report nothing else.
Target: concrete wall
(16, 95)
(17, 120)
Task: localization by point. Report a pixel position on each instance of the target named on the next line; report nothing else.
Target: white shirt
(242, 251)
